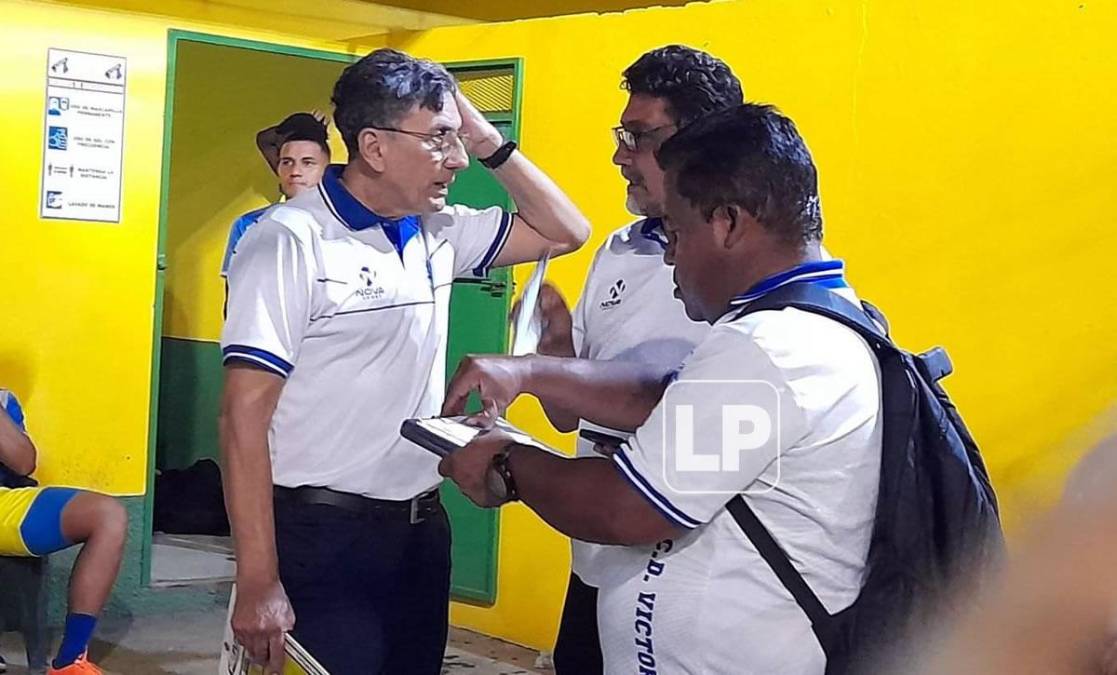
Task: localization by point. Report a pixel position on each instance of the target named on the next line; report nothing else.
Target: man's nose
(622, 156)
(457, 158)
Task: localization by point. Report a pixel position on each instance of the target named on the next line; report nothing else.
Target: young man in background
(298, 153)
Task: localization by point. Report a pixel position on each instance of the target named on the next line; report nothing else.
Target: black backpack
(190, 501)
(937, 529)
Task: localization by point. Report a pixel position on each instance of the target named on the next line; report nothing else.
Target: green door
(478, 324)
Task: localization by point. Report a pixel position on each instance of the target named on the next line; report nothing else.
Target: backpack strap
(871, 325)
(777, 559)
(868, 321)
(876, 315)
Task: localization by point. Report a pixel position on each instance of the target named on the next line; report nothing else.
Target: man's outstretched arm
(585, 498)
(616, 394)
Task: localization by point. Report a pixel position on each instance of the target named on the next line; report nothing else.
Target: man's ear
(732, 224)
(370, 143)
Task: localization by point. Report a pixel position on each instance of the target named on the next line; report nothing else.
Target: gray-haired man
(336, 333)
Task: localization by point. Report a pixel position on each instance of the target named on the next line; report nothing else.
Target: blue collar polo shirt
(352, 309)
(628, 312)
(706, 602)
(237, 232)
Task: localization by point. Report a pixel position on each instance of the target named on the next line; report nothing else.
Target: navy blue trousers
(578, 648)
(371, 593)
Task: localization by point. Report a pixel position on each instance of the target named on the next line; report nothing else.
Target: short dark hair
(692, 82)
(753, 157)
(303, 127)
(382, 87)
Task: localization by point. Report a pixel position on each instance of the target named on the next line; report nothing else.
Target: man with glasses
(776, 413)
(628, 310)
(336, 333)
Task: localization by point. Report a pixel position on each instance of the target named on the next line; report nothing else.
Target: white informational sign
(83, 136)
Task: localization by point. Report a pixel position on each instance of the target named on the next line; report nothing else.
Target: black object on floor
(189, 501)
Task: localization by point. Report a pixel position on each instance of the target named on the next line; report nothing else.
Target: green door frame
(174, 37)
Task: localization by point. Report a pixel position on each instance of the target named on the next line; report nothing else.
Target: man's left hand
(471, 467)
(480, 137)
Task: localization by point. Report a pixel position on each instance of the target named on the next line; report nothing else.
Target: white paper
(83, 136)
(456, 430)
(528, 324)
(235, 661)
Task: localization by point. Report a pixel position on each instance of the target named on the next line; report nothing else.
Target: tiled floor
(187, 644)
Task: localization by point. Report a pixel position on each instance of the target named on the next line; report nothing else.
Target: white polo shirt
(707, 602)
(628, 312)
(352, 309)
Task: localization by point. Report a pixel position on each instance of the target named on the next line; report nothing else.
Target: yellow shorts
(14, 505)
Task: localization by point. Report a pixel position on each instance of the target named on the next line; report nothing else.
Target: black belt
(415, 510)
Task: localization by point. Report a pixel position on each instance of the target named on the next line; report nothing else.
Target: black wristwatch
(505, 487)
(499, 157)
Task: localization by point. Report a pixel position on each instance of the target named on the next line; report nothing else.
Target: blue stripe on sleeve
(661, 503)
(257, 357)
(15, 411)
(495, 248)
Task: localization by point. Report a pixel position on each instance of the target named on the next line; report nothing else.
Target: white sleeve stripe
(661, 503)
(255, 360)
(495, 248)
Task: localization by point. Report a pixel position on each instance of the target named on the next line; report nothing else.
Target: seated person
(36, 521)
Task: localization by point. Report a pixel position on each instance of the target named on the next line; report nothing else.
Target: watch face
(497, 486)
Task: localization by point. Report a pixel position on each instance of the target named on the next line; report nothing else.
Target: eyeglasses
(442, 141)
(634, 141)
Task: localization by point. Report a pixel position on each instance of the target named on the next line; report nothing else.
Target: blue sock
(75, 640)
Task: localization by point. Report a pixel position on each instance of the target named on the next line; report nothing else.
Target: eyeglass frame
(445, 145)
(619, 132)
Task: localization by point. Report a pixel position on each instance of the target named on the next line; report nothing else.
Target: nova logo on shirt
(370, 290)
(615, 293)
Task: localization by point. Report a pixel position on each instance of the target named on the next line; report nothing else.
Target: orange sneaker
(79, 667)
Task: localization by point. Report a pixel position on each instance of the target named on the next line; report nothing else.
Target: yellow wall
(965, 150)
(966, 154)
(77, 319)
(223, 96)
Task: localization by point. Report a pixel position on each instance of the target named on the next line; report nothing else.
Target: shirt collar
(652, 228)
(826, 273)
(356, 216)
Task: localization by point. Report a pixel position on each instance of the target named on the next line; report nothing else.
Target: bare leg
(101, 524)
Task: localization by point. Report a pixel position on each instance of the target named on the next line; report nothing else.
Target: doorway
(220, 92)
